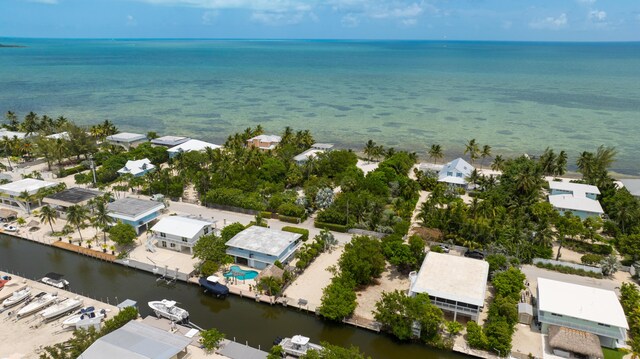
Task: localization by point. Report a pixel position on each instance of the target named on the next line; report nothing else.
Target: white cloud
(277, 18)
(131, 21)
(507, 24)
(409, 22)
(586, 2)
(350, 20)
(550, 22)
(209, 17)
(597, 15)
(47, 2)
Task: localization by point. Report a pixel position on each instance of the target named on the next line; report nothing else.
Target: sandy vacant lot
(388, 282)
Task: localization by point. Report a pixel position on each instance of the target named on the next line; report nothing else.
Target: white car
(9, 228)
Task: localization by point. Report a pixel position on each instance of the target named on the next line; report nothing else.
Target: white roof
(180, 226)
(31, 185)
(62, 135)
(567, 201)
(126, 137)
(266, 138)
(263, 240)
(310, 153)
(193, 145)
(453, 277)
(582, 302)
(578, 189)
(137, 167)
(12, 134)
(457, 165)
(632, 185)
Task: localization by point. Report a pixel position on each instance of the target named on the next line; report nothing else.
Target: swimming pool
(240, 274)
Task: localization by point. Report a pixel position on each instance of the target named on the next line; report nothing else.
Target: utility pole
(93, 169)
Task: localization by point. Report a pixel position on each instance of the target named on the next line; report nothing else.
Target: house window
(449, 173)
(459, 174)
(184, 239)
(173, 245)
(163, 235)
(604, 325)
(556, 315)
(206, 230)
(164, 244)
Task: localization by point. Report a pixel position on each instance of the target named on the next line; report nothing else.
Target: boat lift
(167, 278)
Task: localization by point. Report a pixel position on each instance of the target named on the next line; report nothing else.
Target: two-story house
(258, 247)
(180, 233)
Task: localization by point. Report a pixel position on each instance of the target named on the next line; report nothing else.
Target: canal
(244, 319)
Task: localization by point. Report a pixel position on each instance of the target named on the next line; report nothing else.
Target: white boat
(41, 302)
(55, 280)
(85, 320)
(298, 345)
(167, 308)
(9, 228)
(17, 297)
(62, 307)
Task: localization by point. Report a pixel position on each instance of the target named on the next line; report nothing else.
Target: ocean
(516, 97)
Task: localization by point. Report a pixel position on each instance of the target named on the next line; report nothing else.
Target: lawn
(612, 354)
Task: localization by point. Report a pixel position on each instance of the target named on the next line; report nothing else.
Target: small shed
(565, 341)
(525, 313)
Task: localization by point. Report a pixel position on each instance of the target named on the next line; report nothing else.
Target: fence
(568, 264)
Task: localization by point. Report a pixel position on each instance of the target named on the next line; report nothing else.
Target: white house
(137, 168)
(127, 139)
(136, 212)
(577, 198)
(12, 134)
(191, 145)
(180, 233)
(11, 193)
(454, 284)
(592, 310)
(264, 142)
(455, 172)
(258, 247)
(169, 141)
(632, 185)
(60, 136)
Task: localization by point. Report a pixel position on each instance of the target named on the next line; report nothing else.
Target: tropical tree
(498, 163)
(76, 216)
(370, 149)
(560, 167)
(472, 149)
(435, 152)
(609, 265)
(486, 152)
(211, 339)
(48, 215)
(101, 219)
(123, 234)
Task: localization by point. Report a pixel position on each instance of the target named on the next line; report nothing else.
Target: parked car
(474, 254)
(445, 248)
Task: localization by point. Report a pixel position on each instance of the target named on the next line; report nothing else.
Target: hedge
(585, 247)
(331, 226)
(71, 171)
(304, 232)
(266, 214)
(569, 270)
(289, 219)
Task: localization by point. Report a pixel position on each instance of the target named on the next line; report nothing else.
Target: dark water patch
(219, 121)
(170, 111)
(202, 115)
(451, 119)
(360, 98)
(504, 132)
(373, 130)
(303, 96)
(590, 101)
(579, 137)
(310, 114)
(393, 124)
(432, 110)
(362, 105)
(293, 109)
(553, 115)
(458, 99)
(479, 118)
(515, 112)
(603, 113)
(469, 111)
(266, 118)
(420, 131)
(146, 123)
(383, 114)
(254, 99)
(392, 143)
(339, 115)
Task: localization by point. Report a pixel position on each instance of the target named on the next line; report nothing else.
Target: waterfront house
(127, 140)
(573, 189)
(137, 168)
(454, 284)
(455, 173)
(59, 136)
(258, 247)
(312, 152)
(587, 309)
(633, 186)
(12, 194)
(76, 196)
(140, 341)
(191, 145)
(15, 134)
(136, 212)
(180, 233)
(169, 141)
(577, 198)
(264, 142)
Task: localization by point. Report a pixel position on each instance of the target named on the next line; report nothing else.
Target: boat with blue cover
(212, 285)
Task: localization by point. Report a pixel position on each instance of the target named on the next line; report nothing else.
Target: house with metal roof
(136, 212)
(16, 134)
(180, 233)
(264, 142)
(76, 196)
(455, 173)
(169, 141)
(137, 168)
(573, 189)
(588, 309)
(258, 247)
(454, 284)
(632, 185)
(191, 145)
(127, 139)
(577, 198)
(60, 136)
(11, 194)
(137, 340)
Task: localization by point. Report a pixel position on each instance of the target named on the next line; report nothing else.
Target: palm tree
(498, 163)
(548, 161)
(101, 219)
(472, 149)
(369, 149)
(435, 152)
(76, 216)
(561, 164)
(287, 135)
(486, 152)
(586, 164)
(48, 215)
(26, 197)
(473, 178)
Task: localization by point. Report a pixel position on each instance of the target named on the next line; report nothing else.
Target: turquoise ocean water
(517, 97)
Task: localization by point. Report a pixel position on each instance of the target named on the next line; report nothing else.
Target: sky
(509, 20)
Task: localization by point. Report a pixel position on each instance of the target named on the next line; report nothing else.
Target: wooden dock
(84, 251)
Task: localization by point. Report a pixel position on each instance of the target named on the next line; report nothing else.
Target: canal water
(240, 318)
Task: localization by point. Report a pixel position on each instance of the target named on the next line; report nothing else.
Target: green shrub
(266, 214)
(591, 259)
(291, 210)
(288, 219)
(476, 336)
(331, 226)
(436, 248)
(304, 232)
(585, 247)
(569, 270)
(71, 171)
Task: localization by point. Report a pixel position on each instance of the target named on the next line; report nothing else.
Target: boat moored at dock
(55, 280)
(298, 346)
(167, 308)
(212, 285)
